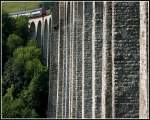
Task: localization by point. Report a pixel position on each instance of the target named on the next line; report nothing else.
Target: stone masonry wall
(96, 60)
(126, 59)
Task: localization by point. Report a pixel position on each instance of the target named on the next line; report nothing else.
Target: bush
(13, 42)
(25, 78)
(15, 108)
(22, 28)
(8, 27)
(29, 78)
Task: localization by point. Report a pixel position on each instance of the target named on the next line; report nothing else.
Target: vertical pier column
(93, 60)
(59, 108)
(98, 29)
(144, 81)
(113, 68)
(103, 93)
(83, 60)
(58, 59)
(88, 59)
(106, 61)
(125, 59)
(76, 57)
(79, 59)
(74, 61)
(71, 55)
(68, 58)
(64, 95)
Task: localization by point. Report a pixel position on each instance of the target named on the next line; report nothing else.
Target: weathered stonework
(79, 59)
(97, 56)
(126, 59)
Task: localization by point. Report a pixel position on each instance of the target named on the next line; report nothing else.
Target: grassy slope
(19, 6)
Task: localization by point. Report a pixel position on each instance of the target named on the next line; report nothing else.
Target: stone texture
(74, 81)
(79, 59)
(97, 60)
(126, 59)
(60, 95)
(88, 60)
(109, 63)
(98, 56)
(144, 83)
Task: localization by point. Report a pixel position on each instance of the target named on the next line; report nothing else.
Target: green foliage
(14, 41)
(19, 6)
(29, 77)
(7, 28)
(25, 79)
(15, 107)
(32, 43)
(22, 27)
(25, 54)
(7, 76)
(36, 93)
(10, 25)
(16, 70)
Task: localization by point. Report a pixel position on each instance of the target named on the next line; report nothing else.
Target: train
(31, 13)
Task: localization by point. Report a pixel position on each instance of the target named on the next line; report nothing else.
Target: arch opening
(49, 44)
(32, 31)
(39, 39)
(45, 41)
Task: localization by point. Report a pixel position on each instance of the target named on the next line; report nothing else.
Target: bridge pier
(97, 59)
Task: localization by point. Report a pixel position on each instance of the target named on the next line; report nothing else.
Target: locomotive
(31, 13)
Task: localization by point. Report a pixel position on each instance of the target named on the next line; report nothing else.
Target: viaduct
(97, 56)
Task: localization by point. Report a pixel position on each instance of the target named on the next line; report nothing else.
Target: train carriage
(31, 13)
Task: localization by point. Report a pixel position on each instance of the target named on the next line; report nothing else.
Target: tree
(37, 92)
(8, 27)
(15, 107)
(15, 71)
(22, 28)
(29, 77)
(7, 76)
(13, 42)
(25, 78)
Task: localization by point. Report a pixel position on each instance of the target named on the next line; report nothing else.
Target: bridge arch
(39, 34)
(33, 31)
(68, 12)
(49, 42)
(45, 41)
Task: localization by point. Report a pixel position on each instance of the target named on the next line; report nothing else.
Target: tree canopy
(25, 78)
(14, 41)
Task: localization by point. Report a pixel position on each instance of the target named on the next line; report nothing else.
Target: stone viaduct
(97, 56)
